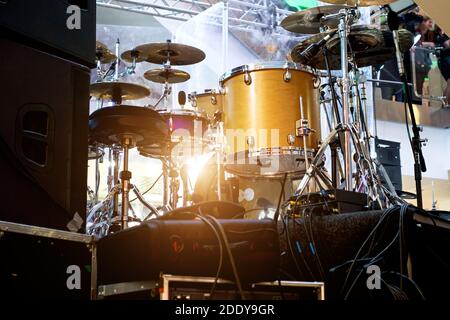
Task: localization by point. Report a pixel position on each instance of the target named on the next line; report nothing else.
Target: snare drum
(209, 103)
(261, 106)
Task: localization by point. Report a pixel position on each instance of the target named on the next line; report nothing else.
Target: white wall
(436, 153)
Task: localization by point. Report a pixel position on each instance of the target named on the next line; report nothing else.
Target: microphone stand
(416, 143)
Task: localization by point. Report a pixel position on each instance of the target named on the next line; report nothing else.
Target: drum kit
(262, 122)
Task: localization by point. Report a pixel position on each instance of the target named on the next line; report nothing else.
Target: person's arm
(428, 45)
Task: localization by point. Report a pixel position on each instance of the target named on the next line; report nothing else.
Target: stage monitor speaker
(65, 28)
(44, 108)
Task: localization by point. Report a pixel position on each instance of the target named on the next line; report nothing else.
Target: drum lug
(193, 99)
(287, 76)
(317, 81)
(251, 142)
(213, 98)
(247, 76)
(291, 139)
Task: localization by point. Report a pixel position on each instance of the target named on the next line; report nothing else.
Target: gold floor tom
(261, 106)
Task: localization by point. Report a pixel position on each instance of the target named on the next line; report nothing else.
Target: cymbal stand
(345, 82)
(336, 167)
(116, 70)
(167, 91)
(125, 177)
(218, 148)
(367, 180)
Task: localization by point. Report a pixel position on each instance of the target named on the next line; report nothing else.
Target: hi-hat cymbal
(162, 75)
(309, 21)
(129, 55)
(360, 3)
(109, 125)
(118, 91)
(177, 54)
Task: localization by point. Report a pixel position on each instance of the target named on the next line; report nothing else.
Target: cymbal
(162, 75)
(178, 54)
(366, 43)
(105, 56)
(360, 3)
(309, 21)
(100, 46)
(109, 125)
(118, 91)
(130, 54)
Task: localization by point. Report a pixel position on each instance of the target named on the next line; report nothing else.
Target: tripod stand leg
(315, 162)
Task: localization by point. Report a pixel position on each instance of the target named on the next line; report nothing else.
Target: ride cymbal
(369, 46)
(309, 21)
(162, 75)
(177, 54)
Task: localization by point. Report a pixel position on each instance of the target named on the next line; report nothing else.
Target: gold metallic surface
(269, 102)
(208, 103)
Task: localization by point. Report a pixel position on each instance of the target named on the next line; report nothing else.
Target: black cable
(311, 239)
(407, 126)
(288, 239)
(403, 210)
(230, 254)
(150, 188)
(219, 266)
(277, 213)
(367, 265)
(384, 215)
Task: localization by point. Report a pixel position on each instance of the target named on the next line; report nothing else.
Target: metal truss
(249, 14)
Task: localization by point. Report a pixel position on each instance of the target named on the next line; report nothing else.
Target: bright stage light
(196, 164)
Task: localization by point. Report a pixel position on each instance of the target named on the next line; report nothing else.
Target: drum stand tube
(343, 33)
(125, 177)
(115, 179)
(165, 181)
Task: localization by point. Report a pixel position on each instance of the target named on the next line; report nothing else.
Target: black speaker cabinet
(44, 108)
(65, 28)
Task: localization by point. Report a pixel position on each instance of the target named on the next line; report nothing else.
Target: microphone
(394, 24)
(398, 53)
(182, 98)
(313, 49)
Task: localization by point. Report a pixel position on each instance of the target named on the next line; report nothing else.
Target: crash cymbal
(100, 46)
(309, 21)
(178, 54)
(162, 75)
(118, 91)
(130, 54)
(360, 3)
(366, 42)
